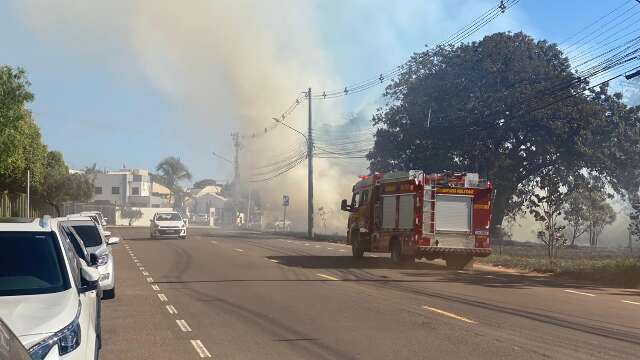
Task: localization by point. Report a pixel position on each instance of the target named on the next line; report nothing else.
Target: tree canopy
(59, 186)
(171, 172)
(21, 147)
(493, 107)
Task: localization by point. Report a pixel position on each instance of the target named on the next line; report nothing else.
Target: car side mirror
(90, 277)
(107, 234)
(113, 240)
(344, 206)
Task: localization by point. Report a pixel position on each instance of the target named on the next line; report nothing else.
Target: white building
(132, 187)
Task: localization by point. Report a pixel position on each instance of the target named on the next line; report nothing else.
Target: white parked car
(48, 295)
(96, 242)
(168, 223)
(96, 216)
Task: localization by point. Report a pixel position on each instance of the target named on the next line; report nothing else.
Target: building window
(98, 190)
(115, 190)
(137, 178)
(135, 190)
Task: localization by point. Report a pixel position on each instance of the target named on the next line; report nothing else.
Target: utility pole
(236, 173)
(310, 234)
(28, 193)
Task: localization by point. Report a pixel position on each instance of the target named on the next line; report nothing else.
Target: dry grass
(609, 267)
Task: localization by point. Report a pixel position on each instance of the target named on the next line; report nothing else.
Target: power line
(457, 37)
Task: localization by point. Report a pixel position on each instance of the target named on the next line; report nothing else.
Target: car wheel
(109, 294)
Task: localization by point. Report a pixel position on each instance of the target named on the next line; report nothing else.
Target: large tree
(171, 172)
(492, 106)
(58, 186)
(21, 147)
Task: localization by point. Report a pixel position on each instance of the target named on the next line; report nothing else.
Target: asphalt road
(243, 295)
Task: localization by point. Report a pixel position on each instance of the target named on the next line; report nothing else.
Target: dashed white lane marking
(162, 297)
(490, 276)
(171, 310)
(141, 268)
(155, 287)
(306, 244)
(214, 242)
(343, 250)
(202, 351)
(289, 241)
(183, 325)
(329, 248)
(145, 273)
(631, 302)
(149, 279)
(239, 250)
(327, 277)
(445, 313)
(273, 260)
(373, 255)
(579, 293)
(318, 246)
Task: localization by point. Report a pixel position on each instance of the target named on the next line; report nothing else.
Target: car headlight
(67, 339)
(103, 259)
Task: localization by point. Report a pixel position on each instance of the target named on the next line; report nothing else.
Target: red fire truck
(413, 215)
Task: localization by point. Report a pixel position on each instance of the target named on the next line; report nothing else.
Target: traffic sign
(285, 200)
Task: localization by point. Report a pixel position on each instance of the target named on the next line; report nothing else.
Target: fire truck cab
(413, 215)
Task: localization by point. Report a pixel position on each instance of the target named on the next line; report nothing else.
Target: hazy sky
(96, 102)
(130, 82)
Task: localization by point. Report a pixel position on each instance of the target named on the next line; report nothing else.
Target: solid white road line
(145, 273)
(239, 250)
(578, 292)
(327, 277)
(162, 297)
(631, 302)
(155, 287)
(202, 351)
(445, 313)
(171, 309)
(149, 279)
(183, 325)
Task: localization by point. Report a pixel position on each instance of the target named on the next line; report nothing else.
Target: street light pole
(310, 233)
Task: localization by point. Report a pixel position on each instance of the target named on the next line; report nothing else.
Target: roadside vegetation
(610, 267)
(22, 151)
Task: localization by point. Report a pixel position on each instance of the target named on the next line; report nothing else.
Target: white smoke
(233, 65)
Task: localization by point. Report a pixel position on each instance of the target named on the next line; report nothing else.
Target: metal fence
(15, 205)
(107, 210)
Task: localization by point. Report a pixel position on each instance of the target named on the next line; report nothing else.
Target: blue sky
(96, 101)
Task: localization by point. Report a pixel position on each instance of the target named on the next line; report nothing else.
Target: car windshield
(31, 263)
(168, 217)
(89, 234)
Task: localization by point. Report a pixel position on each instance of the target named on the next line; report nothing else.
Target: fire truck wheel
(459, 262)
(356, 251)
(396, 252)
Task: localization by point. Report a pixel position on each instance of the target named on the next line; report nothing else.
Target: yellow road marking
(580, 293)
(327, 277)
(631, 302)
(457, 317)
